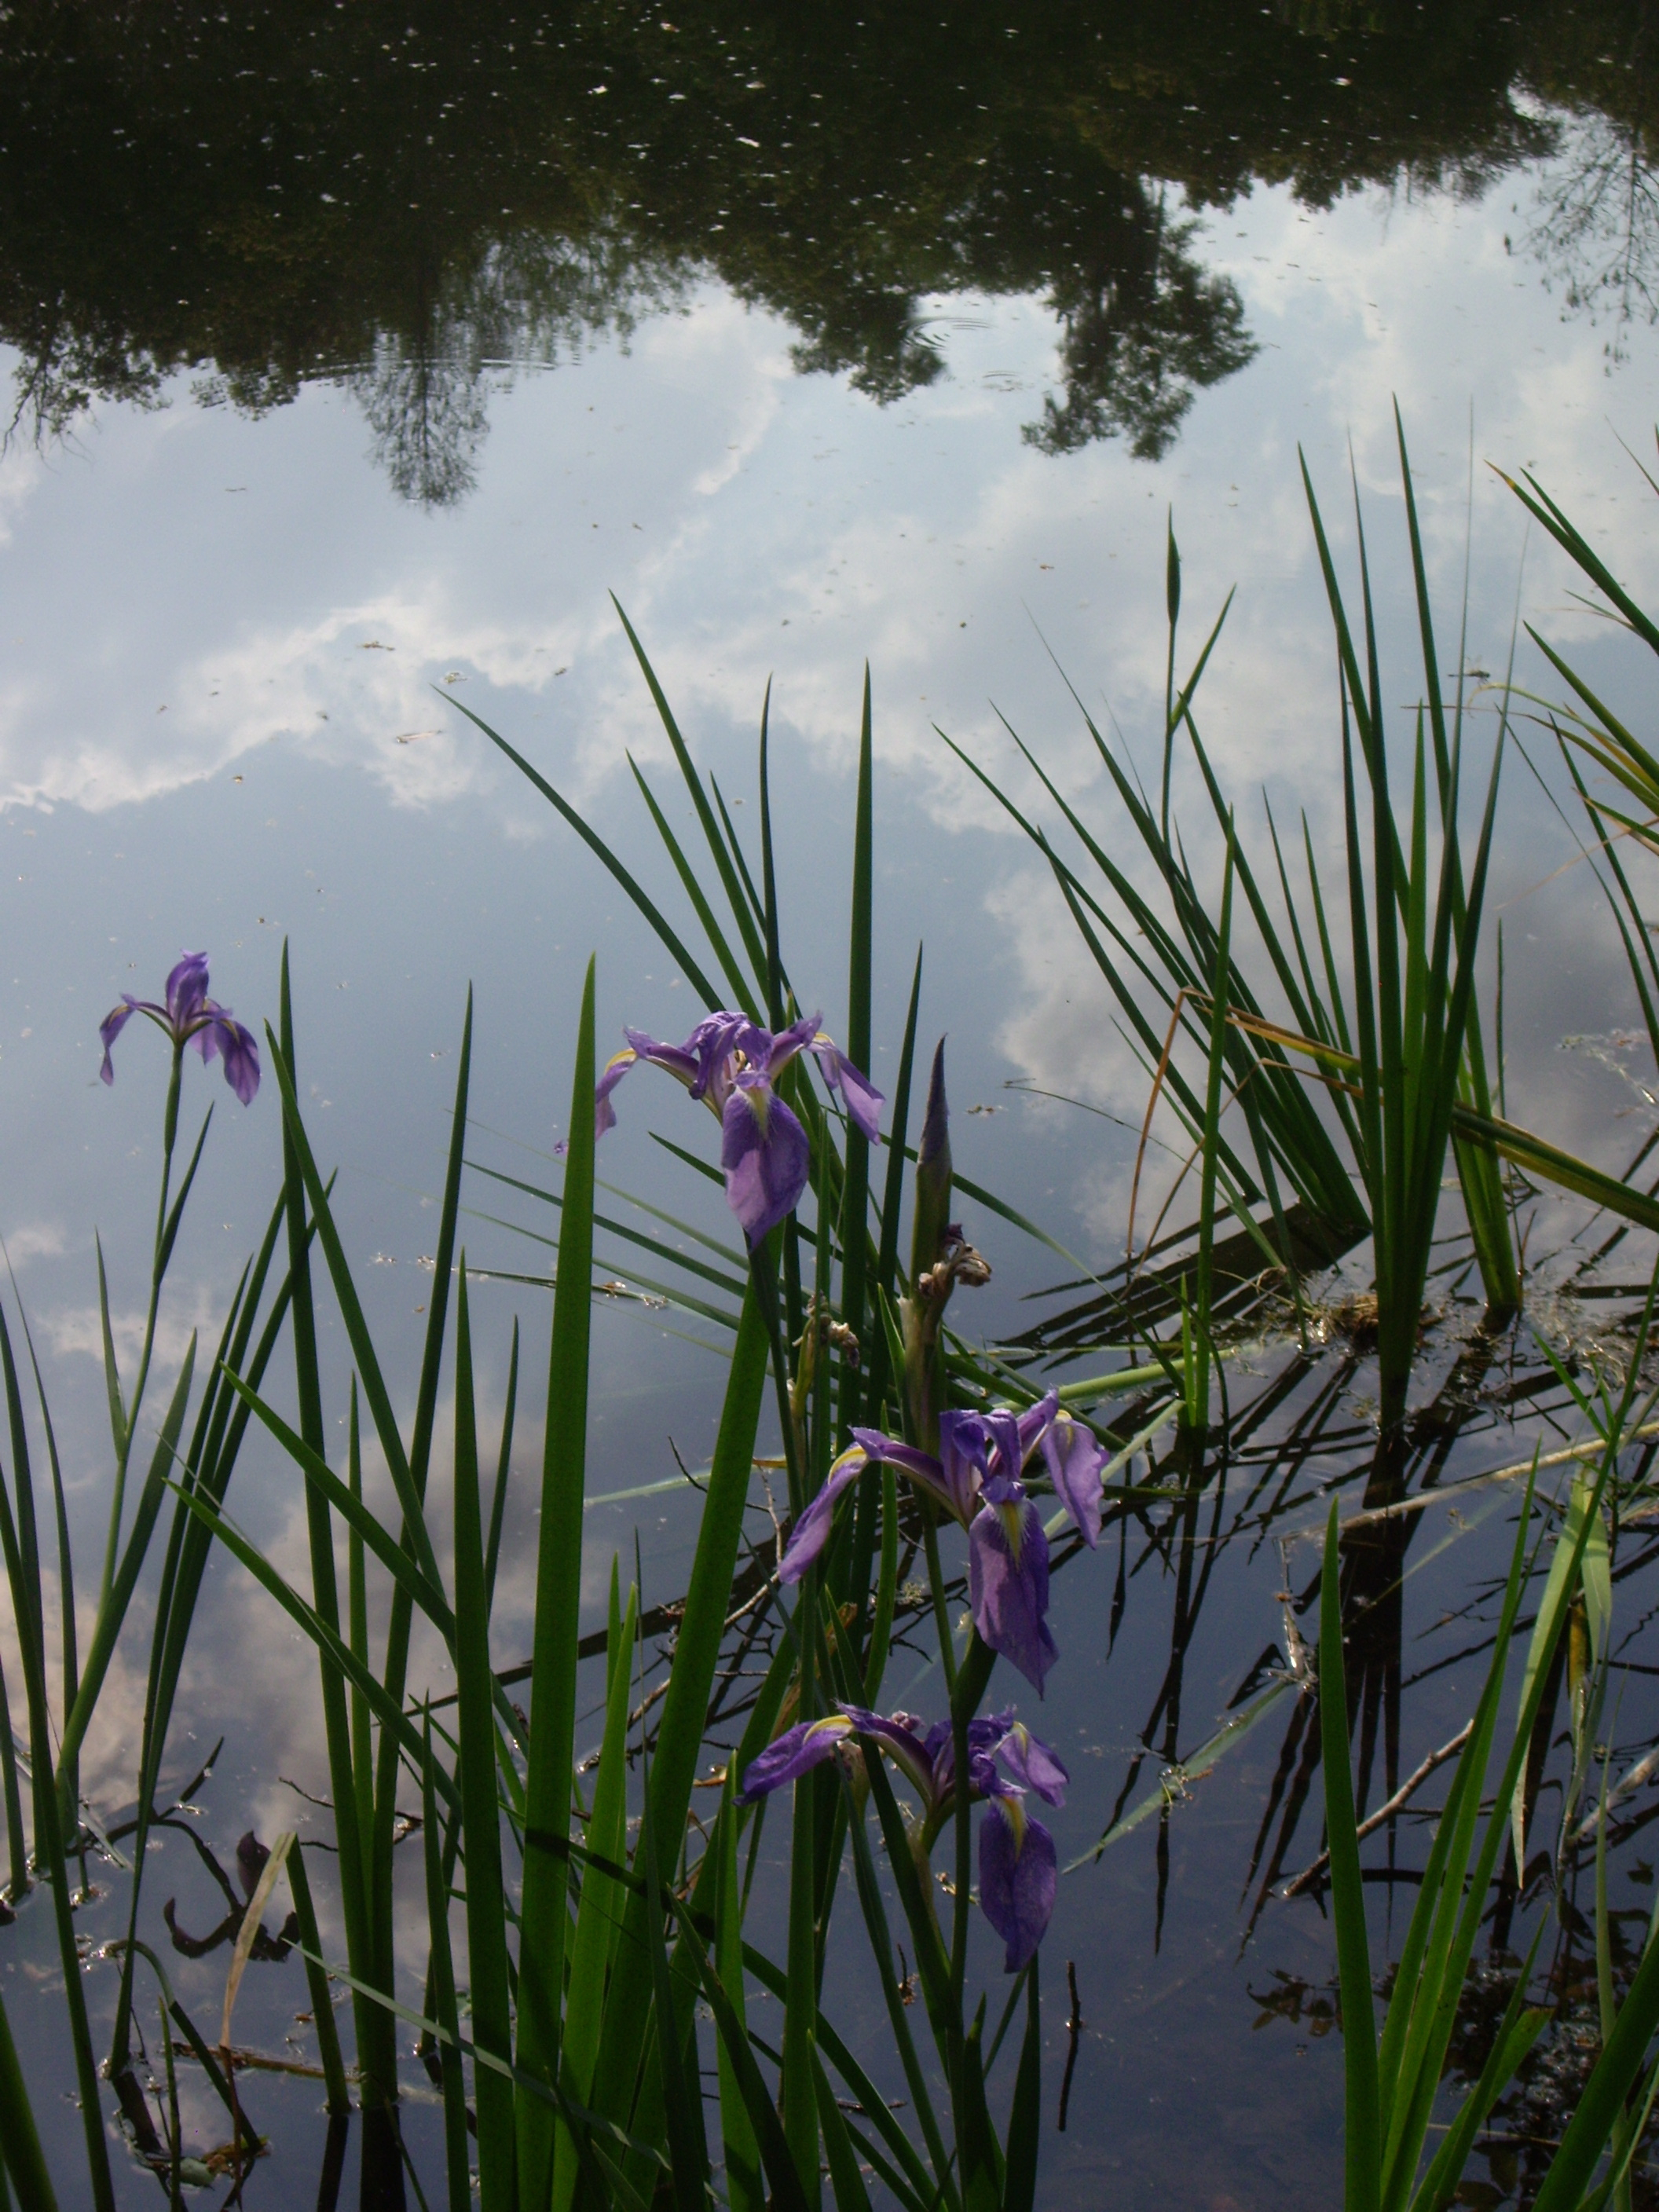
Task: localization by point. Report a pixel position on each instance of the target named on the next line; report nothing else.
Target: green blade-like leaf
(1025, 2115)
(693, 974)
(486, 1922)
(457, 2160)
(742, 990)
(845, 2180)
(322, 2004)
(20, 2140)
(744, 2188)
(929, 2193)
(685, 2140)
(686, 1704)
(333, 1647)
(1537, 1158)
(503, 1470)
(740, 907)
(360, 1521)
(113, 1610)
(18, 1543)
(553, 1660)
(604, 1899)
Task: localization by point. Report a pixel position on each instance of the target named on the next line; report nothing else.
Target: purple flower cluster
(190, 1017)
(1017, 1866)
(732, 1064)
(976, 1480)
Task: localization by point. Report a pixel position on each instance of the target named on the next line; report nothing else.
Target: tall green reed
(1393, 2080)
(1385, 1043)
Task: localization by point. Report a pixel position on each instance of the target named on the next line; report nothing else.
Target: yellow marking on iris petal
(1014, 1810)
(625, 1058)
(836, 1723)
(1013, 1526)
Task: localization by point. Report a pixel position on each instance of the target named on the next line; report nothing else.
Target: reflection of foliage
(403, 200)
(1597, 228)
(428, 415)
(1142, 334)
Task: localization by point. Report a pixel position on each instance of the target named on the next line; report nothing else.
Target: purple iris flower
(975, 1478)
(732, 1064)
(1017, 1863)
(190, 1017)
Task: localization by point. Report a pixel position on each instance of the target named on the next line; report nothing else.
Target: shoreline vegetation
(1320, 1054)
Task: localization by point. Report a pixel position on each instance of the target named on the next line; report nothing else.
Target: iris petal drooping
(190, 1017)
(1018, 1863)
(976, 1480)
(1019, 1874)
(733, 1065)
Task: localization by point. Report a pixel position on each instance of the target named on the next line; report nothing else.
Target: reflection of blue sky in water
(228, 650)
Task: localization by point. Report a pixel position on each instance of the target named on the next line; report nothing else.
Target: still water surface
(358, 357)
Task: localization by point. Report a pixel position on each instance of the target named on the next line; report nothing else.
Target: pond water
(358, 358)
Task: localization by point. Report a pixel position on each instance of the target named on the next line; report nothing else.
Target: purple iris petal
(1019, 1874)
(188, 991)
(712, 1044)
(765, 1155)
(985, 1733)
(1008, 1585)
(111, 1028)
(921, 1466)
(964, 1450)
(1035, 1423)
(1002, 1426)
(605, 1114)
(898, 1738)
(864, 1101)
(241, 1062)
(679, 1060)
(795, 1752)
(812, 1531)
(1075, 1456)
(1031, 1763)
(771, 1054)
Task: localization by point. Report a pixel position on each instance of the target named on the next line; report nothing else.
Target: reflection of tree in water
(412, 203)
(1144, 330)
(429, 414)
(1596, 229)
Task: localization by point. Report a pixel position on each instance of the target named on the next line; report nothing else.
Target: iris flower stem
(947, 1655)
(158, 1268)
(964, 1860)
(763, 1265)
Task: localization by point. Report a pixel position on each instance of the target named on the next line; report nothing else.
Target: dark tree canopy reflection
(413, 202)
